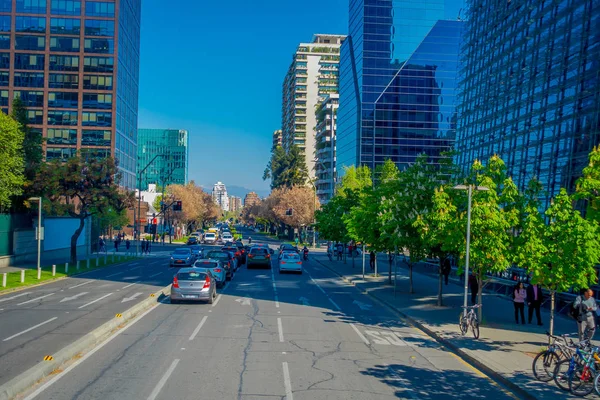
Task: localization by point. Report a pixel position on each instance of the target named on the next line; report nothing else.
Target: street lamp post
(469, 189)
(38, 234)
(137, 226)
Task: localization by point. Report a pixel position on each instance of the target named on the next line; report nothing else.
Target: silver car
(290, 261)
(193, 284)
(182, 257)
(216, 269)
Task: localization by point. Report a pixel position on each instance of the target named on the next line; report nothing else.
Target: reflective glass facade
(531, 88)
(167, 170)
(398, 78)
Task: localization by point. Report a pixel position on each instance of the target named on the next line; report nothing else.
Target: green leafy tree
(32, 140)
(286, 169)
(80, 189)
(588, 186)
(12, 166)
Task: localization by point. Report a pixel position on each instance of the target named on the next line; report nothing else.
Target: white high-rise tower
(219, 195)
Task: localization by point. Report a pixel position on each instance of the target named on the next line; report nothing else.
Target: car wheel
(173, 301)
(211, 299)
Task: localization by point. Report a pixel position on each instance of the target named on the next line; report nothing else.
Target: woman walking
(519, 296)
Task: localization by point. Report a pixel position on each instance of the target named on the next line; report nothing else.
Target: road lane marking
(198, 327)
(334, 303)
(29, 329)
(287, 382)
(152, 276)
(81, 284)
(131, 284)
(163, 380)
(94, 301)
(37, 298)
(280, 328)
(118, 273)
(317, 285)
(14, 297)
(73, 297)
(276, 301)
(217, 300)
(362, 337)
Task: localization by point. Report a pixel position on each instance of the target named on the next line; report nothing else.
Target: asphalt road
(272, 335)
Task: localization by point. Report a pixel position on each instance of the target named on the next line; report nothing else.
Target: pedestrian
(148, 247)
(519, 296)
(143, 246)
(446, 269)
(340, 253)
(372, 257)
(330, 251)
(101, 245)
(116, 244)
(390, 258)
(534, 302)
(474, 285)
(586, 321)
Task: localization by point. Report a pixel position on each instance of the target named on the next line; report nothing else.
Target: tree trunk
(390, 272)
(440, 301)
(74, 240)
(552, 304)
(479, 295)
(410, 276)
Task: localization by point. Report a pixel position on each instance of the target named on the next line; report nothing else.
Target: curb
(517, 390)
(36, 374)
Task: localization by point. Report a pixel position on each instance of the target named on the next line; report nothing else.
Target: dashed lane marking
(163, 380)
(362, 337)
(36, 299)
(29, 329)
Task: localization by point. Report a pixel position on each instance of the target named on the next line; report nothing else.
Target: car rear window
(206, 264)
(258, 251)
(191, 276)
(291, 256)
(182, 251)
(217, 254)
(210, 235)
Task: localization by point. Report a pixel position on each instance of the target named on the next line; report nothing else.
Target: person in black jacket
(446, 269)
(474, 287)
(534, 302)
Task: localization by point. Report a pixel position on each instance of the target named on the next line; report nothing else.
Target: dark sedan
(192, 240)
(227, 258)
(236, 252)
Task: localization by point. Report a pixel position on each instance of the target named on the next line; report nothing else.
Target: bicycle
(469, 320)
(544, 364)
(583, 378)
(566, 367)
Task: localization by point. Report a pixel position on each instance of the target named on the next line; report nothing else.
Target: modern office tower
(325, 147)
(75, 66)
(251, 199)
(235, 203)
(219, 195)
(171, 167)
(531, 91)
(398, 78)
(313, 74)
(277, 139)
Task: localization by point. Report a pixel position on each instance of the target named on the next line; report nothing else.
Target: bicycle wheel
(597, 384)
(581, 381)
(475, 327)
(544, 365)
(561, 374)
(463, 324)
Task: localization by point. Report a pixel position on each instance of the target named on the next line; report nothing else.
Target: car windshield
(291, 256)
(181, 252)
(258, 251)
(210, 235)
(192, 276)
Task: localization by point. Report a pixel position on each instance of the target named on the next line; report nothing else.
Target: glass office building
(172, 166)
(61, 57)
(398, 78)
(531, 88)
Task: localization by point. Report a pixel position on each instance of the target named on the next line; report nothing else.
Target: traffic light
(177, 206)
(289, 212)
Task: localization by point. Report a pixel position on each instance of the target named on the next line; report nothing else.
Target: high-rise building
(75, 66)
(325, 147)
(251, 199)
(235, 203)
(312, 75)
(531, 90)
(277, 138)
(398, 79)
(220, 197)
(172, 166)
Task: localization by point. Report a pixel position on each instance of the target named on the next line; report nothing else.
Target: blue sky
(215, 68)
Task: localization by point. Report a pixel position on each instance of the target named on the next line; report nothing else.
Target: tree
(32, 140)
(286, 169)
(198, 206)
(588, 186)
(300, 199)
(80, 189)
(12, 166)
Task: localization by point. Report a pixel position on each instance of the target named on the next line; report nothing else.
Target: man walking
(446, 268)
(586, 320)
(534, 302)
(474, 285)
(372, 256)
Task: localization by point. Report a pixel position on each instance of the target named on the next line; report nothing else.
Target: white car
(290, 261)
(227, 237)
(210, 238)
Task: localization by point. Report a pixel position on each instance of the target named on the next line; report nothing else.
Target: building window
(96, 138)
(29, 42)
(5, 6)
(30, 24)
(96, 27)
(98, 64)
(29, 98)
(99, 9)
(97, 100)
(64, 81)
(96, 119)
(5, 42)
(29, 61)
(58, 43)
(5, 60)
(65, 26)
(65, 7)
(29, 79)
(61, 136)
(4, 78)
(35, 117)
(5, 23)
(88, 154)
(60, 153)
(63, 99)
(4, 98)
(98, 82)
(62, 117)
(105, 46)
(31, 6)
(64, 63)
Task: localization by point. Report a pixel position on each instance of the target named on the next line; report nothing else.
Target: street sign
(41, 233)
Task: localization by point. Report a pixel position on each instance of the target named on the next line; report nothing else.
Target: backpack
(575, 311)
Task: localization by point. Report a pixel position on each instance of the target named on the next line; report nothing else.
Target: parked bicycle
(583, 378)
(544, 364)
(565, 368)
(469, 320)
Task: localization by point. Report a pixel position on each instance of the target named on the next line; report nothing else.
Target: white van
(210, 238)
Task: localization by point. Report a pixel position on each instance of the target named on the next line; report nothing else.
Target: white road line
(163, 380)
(37, 298)
(315, 282)
(152, 276)
(198, 328)
(14, 297)
(94, 301)
(118, 273)
(276, 301)
(81, 284)
(334, 304)
(29, 329)
(363, 338)
(280, 328)
(217, 300)
(287, 382)
(131, 284)
(85, 357)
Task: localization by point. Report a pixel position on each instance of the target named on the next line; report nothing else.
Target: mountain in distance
(238, 191)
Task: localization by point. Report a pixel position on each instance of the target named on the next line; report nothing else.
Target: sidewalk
(504, 351)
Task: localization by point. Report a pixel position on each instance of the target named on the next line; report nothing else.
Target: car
(241, 248)
(215, 268)
(182, 257)
(196, 251)
(193, 285)
(210, 238)
(227, 260)
(259, 256)
(192, 240)
(227, 237)
(290, 261)
(287, 247)
(286, 251)
(236, 252)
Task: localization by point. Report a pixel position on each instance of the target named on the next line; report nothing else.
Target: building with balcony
(277, 139)
(172, 167)
(75, 66)
(531, 89)
(312, 75)
(220, 197)
(398, 83)
(235, 204)
(325, 168)
(251, 199)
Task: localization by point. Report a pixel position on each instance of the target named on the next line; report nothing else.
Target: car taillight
(217, 270)
(282, 262)
(268, 256)
(206, 283)
(251, 255)
(299, 262)
(175, 283)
